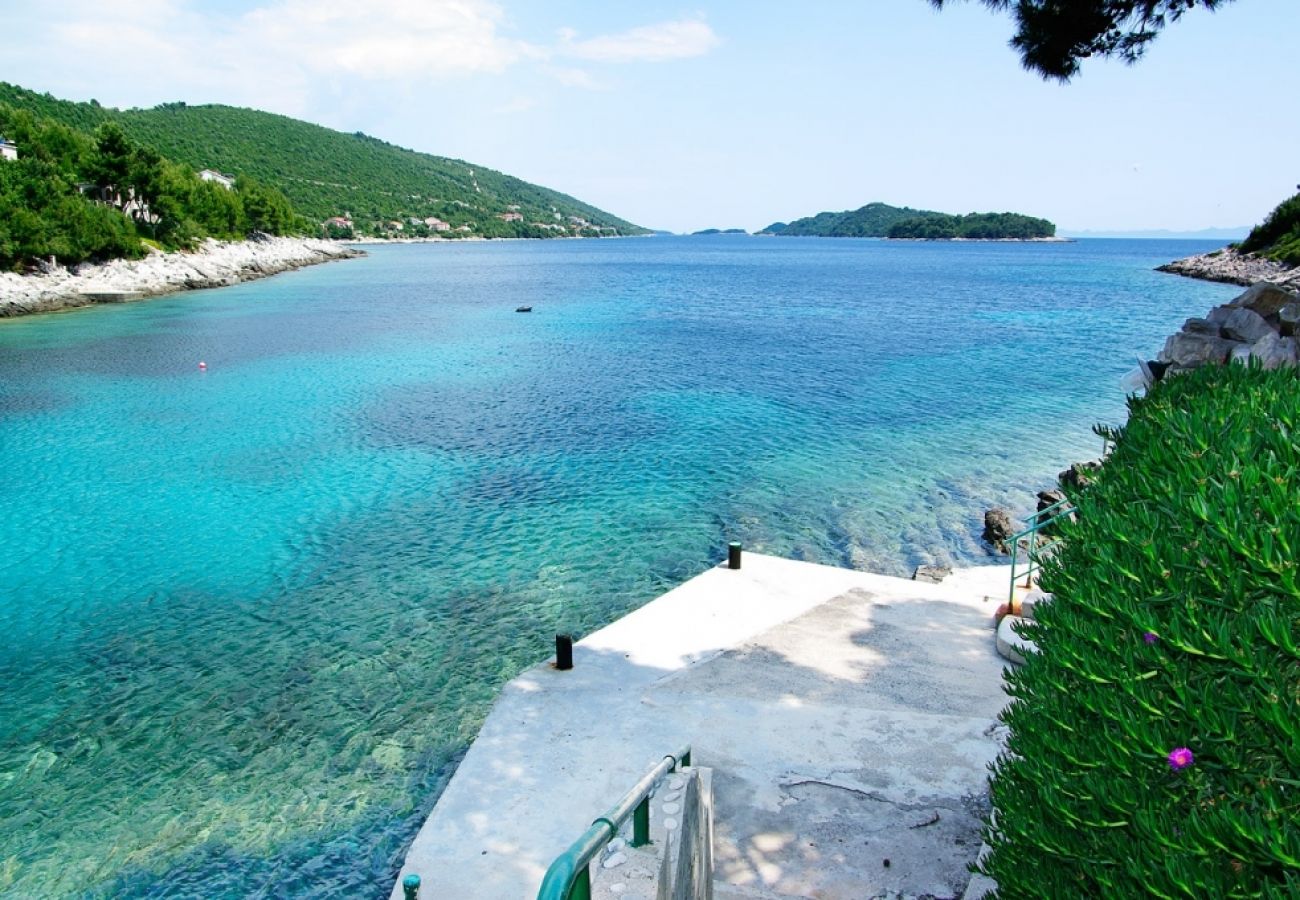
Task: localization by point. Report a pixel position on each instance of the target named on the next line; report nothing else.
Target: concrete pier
(848, 719)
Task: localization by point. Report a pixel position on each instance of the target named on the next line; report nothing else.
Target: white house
(8, 149)
(226, 181)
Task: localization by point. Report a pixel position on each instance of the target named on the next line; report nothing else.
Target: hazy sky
(733, 113)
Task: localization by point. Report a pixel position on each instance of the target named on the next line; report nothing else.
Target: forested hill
(327, 173)
(883, 220)
(872, 220)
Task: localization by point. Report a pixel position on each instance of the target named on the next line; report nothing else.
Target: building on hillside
(436, 224)
(394, 226)
(469, 227)
(513, 207)
(337, 222)
(510, 217)
(8, 149)
(226, 181)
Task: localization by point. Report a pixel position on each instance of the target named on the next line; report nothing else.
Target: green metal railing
(1036, 546)
(569, 877)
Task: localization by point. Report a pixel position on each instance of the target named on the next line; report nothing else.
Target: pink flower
(1180, 758)
(1150, 637)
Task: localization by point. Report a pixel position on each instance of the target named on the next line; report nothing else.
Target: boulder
(1245, 325)
(1288, 317)
(1219, 314)
(1187, 351)
(1265, 298)
(932, 574)
(1079, 475)
(1274, 351)
(1200, 326)
(1032, 601)
(1010, 644)
(998, 528)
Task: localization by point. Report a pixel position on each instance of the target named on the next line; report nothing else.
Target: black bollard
(564, 652)
(733, 555)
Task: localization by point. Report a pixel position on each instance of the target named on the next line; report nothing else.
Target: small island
(880, 220)
(719, 231)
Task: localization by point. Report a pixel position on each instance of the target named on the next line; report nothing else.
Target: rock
(1229, 266)
(998, 528)
(1265, 298)
(1200, 326)
(932, 574)
(1288, 317)
(1049, 498)
(1031, 602)
(1273, 351)
(614, 860)
(1245, 325)
(1079, 475)
(1219, 314)
(1010, 644)
(1187, 351)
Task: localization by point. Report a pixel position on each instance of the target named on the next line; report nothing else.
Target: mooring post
(411, 886)
(733, 555)
(564, 652)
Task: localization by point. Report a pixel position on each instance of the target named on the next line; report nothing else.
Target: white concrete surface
(848, 718)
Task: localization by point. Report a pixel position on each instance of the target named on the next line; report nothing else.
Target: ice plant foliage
(1190, 537)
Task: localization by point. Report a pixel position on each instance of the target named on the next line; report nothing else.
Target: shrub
(1278, 236)
(1175, 627)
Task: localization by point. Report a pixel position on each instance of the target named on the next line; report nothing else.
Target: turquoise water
(252, 615)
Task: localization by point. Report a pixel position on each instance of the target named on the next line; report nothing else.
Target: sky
(734, 113)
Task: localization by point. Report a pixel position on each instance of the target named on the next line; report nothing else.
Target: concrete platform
(848, 719)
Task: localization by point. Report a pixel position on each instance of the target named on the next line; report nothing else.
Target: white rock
(670, 824)
(615, 845)
(671, 808)
(614, 860)
(1010, 644)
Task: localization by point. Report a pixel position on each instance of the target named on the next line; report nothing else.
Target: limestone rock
(1274, 351)
(1010, 644)
(1265, 298)
(1245, 325)
(1200, 326)
(1187, 351)
(1288, 317)
(998, 528)
(1034, 599)
(932, 574)
(1079, 475)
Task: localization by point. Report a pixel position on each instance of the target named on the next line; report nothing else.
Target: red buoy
(203, 366)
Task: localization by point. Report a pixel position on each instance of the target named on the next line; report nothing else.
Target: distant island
(904, 223)
(719, 231)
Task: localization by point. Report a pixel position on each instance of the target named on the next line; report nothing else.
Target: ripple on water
(253, 615)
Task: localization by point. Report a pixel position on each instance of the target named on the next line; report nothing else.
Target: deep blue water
(251, 615)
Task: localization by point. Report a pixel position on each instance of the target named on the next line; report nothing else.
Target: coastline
(213, 264)
(1230, 267)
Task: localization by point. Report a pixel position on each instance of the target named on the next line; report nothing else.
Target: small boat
(523, 309)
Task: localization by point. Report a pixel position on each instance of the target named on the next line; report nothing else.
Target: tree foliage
(1278, 236)
(325, 173)
(974, 227)
(77, 196)
(1054, 36)
(872, 220)
(1154, 746)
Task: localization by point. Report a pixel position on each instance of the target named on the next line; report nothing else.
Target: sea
(253, 612)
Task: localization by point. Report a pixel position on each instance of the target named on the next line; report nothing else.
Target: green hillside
(883, 220)
(1278, 236)
(327, 173)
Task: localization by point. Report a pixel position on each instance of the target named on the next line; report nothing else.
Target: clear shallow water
(251, 616)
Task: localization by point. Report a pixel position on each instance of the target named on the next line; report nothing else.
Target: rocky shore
(1229, 266)
(213, 264)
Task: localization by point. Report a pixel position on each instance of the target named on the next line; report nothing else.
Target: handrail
(1034, 550)
(569, 877)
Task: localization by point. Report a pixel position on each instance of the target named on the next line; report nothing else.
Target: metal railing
(569, 877)
(1036, 546)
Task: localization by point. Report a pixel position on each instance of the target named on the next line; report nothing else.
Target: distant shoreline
(213, 264)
